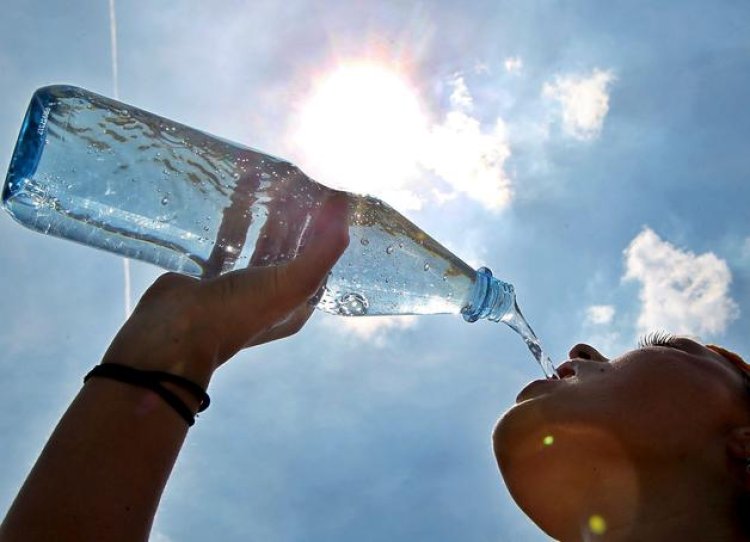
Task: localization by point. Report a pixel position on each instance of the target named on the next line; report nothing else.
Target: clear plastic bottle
(109, 175)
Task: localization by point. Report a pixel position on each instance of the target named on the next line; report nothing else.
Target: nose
(585, 351)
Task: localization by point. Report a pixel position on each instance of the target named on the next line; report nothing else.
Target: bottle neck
(491, 298)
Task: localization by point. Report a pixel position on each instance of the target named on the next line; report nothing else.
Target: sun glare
(360, 130)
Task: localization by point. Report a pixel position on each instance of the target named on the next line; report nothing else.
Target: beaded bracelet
(153, 381)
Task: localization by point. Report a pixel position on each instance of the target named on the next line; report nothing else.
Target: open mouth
(540, 387)
(566, 370)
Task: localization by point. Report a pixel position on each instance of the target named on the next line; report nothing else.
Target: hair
(732, 357)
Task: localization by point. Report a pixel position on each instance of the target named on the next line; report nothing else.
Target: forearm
(103, 470)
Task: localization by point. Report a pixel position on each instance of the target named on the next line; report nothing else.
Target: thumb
(329, 236)
(278, 289)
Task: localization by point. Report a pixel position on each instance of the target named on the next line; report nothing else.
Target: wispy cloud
(467, 156)
(600, 314)
(513, 64)
(460, 99)
(746, 249)
(363, 130)
(583, 101)
(681, 292)
(375, 330)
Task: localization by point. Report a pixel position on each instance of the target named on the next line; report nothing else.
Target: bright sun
(361, 130)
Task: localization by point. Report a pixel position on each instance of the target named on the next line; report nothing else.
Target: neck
(676, 506)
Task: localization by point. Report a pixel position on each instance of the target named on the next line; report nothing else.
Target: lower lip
(537, 387)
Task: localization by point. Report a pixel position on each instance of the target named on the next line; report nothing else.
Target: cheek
(668, 409)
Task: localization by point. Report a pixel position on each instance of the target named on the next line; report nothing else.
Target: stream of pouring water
(515, 319)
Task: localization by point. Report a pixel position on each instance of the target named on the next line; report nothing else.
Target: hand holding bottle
(190, 327)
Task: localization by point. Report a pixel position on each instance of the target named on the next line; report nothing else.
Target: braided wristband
(152, 380)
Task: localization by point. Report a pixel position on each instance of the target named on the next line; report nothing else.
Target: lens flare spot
(549, 440)
(597, 525)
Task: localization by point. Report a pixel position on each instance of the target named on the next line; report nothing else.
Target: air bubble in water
(426, 266)
(364, 241)
(164, 200)
(352, 305)
(389, 250)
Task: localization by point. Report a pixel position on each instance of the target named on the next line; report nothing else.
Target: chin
(527, 466)
(553, 469)
(519, 431)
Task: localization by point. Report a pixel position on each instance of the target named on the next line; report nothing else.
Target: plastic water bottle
(109, 175)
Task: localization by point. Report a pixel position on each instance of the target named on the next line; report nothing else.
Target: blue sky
(596, 158)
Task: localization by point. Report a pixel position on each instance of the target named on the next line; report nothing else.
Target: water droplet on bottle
(426, 266)
(389, 250)
(164, 200)
(352, 305)
(364, 241)
(400, 245)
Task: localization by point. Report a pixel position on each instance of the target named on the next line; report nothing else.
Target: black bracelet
(152, 380)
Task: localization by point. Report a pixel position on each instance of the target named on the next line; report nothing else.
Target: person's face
(573, 449)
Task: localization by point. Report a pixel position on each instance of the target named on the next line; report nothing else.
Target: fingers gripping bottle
(112, 176)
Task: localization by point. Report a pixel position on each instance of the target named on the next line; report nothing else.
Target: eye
(657, 338)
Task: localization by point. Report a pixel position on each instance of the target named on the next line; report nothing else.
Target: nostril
(580, 351)
(584, 351)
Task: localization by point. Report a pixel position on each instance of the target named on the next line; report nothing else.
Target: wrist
(196, 370)
(185, 396)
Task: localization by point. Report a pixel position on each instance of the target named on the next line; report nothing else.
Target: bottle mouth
(28, 146)
(491, 298)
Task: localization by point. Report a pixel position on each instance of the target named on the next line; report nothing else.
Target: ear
(738, 447)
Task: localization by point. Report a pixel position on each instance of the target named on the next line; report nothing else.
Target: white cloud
(460, 98)
(600, 314)
(584, 102)
(513, 64)
(481, 68)
(681, 292)
(363, 129)
(468, 157)
(374, 330)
